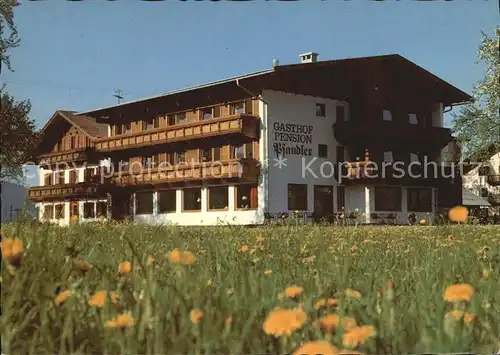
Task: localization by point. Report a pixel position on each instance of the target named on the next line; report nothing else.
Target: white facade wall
(474, 182)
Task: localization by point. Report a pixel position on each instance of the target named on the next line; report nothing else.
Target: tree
(17, 130)
(478, 124)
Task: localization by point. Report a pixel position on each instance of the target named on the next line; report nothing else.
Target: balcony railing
(77, 155)
(243, 124)
(381, 132)
(243, 169)
(63, 191)
(493, 180)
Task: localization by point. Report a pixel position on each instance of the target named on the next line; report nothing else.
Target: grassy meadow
(236, 290)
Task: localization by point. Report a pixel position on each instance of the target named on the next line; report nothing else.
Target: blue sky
(73, 55)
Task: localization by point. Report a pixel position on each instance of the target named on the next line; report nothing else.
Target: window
(155, 160)
(118, 129)
(167, 201)
(246, 197)
(237, 152)
(156, 122)
(192, 199)
(89, 174)
(147, 124)
(206, 113)
(73, 143)
(340, 198)
(89, 210)
(419, 199)
(216, 111)
(180, 157)
(48, 179)
(102, 209)
(59, 177)
(388, 156)
(144, 202)
(297, 197)
(386, 115)
(320, 110)
(59, 211)
(48, 212)
(322, 151)
(127, 128)
(218, 198)
(147, 162)
(387, 198)
(73, 176)
(216, 154)
(237, 108)
(171, 158)
(206, 154)
(484, 192)
(412, 118)
(340, 113)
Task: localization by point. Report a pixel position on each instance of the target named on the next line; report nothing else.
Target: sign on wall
(292, 139)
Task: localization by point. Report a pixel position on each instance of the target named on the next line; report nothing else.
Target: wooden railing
(244, 169)
(63, 157)
(241, 123)
(63, 191)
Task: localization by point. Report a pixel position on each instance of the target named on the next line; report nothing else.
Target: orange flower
(12, 250)
(293, 291)
(99, 298)
(268, 272)
(458, 214)
(81, 265)
(121, 321)
(458, 292)
(181, 257)
(243, 249)
(330, 322)
(352, 293)
(358, 335)
(458, 315)
(125, 267)
(196, 315)
(316, 347)
(284, 321)
(330, 302)
(62, 297)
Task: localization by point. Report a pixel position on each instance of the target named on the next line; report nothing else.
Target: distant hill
(15, 196)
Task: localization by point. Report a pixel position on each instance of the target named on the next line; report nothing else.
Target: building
(245, 149)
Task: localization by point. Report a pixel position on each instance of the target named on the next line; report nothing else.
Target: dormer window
(386, 115)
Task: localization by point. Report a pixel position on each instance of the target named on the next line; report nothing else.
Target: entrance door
(323, 200)
(120, 206)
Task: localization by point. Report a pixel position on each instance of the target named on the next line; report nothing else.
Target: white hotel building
(255, 147)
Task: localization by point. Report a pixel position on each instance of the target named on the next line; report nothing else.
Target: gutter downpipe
(265, 148)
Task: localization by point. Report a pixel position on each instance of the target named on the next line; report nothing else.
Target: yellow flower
(485, 273)
(12, 250)
(74, 218)
(62, 297)
(458, 214)
(358, 335)
(181, 257)
(458, 315)
(260, 239)
(330, 302)
(352, 293)
(458, 292)
(196, 315)
(228, 321)
(230, 292)
(284, 321)
(330, 322)
(243, 249)
(125, 267)
(268, 272)
(150, 260)
(209, 283)
(320, 304)
(99, 298)
(293, 291)
(121, 321)
(81, 265)
(316, 347)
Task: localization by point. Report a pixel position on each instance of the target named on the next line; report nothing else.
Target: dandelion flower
(62, 297)
(458, 292)
(80, 265)
(268, 272)
(284, 321)
(293, 291)
(12, 250)
(230, 292)
(423, 222)
(121, 321)
(125, 267)
(150, 260)
(228, 321)
(358, 335)
(209, 283)
(458, 214)
(260, 239)
(330, 322)
(352, 293)
(458, 315)
(320, 304)
(316, 347)
(243, 248)
(181, 257)
(99, 298)
(195, 315)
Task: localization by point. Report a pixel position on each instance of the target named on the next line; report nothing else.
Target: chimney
(309, 57)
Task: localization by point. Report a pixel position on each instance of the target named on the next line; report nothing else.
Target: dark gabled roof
(338, 79)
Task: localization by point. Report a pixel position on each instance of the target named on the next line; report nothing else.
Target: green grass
(420, 261)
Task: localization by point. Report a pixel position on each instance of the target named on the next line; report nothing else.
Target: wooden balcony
(70, 156)
(64, 192)
(493, 180)
(382, 133)
(241, 124)
(241, 169)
